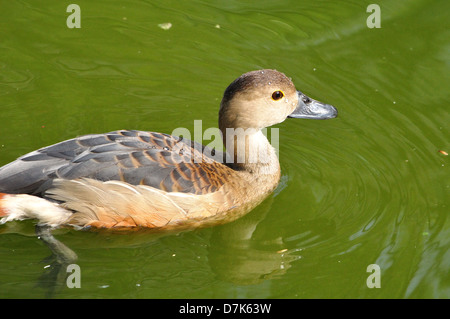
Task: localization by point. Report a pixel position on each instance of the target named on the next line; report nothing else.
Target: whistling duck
(140, 179)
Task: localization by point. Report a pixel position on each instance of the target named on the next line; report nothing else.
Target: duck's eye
(277, 95)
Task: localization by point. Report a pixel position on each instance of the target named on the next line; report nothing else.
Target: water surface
(369, 187)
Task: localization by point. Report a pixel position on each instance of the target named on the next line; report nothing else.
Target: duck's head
(259, 99)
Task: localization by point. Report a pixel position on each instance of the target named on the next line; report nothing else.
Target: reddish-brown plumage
(2, 209)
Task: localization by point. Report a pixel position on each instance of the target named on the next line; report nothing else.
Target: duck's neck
(250, 151)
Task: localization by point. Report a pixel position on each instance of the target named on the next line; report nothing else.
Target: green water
(369, 187)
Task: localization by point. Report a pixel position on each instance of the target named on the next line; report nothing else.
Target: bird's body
(129, 178)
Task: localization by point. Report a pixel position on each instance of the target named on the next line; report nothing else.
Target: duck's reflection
(236, 256)
(54, 277)
(233, 252)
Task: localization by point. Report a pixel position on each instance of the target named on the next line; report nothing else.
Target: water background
(369, 187)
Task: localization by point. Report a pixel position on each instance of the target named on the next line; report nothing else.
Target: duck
(131, 179)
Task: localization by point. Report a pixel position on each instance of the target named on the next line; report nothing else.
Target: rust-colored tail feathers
(2, 209)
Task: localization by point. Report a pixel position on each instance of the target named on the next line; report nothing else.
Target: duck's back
(165, 162)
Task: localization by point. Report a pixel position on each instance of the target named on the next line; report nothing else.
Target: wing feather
(159, 160)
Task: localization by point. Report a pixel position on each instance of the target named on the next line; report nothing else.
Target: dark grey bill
(309, 108)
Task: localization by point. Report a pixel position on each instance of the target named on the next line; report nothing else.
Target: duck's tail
(22, 206)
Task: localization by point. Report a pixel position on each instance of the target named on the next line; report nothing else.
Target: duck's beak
(308, 108)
